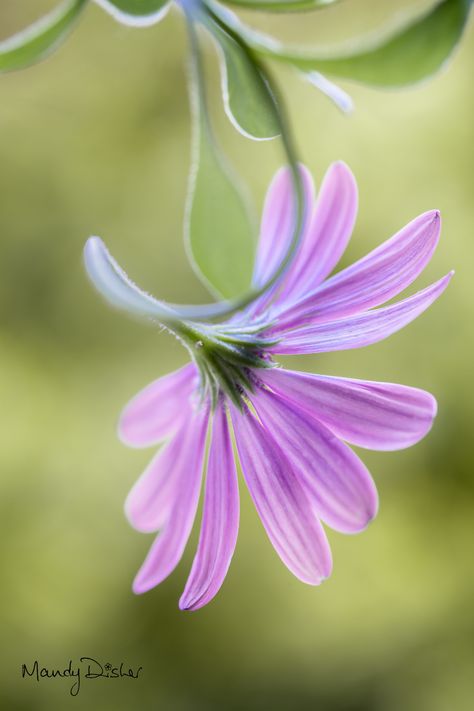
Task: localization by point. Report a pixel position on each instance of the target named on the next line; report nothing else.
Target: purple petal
(278, 219)
(340, 488)
(281, 502)
(327, 233)
(151, 499)
(376, 278)
(220, 520)
(159, 409)
(362, 329)
(368, 414)
(168, 547)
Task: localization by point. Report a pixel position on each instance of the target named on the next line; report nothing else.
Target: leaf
(138, 13)
(116, 287)
(408, 56)
(219, 233)
(281, 5)
(41, 38)
(248, 98)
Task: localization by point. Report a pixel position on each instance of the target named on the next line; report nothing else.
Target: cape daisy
(291, 429)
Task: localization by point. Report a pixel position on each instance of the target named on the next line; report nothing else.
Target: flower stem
(200, 114)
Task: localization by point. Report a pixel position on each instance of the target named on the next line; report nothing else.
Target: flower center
(226, 356)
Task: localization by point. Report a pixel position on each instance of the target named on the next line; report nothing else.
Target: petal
(276, 230)
(151, 499)
(220, 520)
(327, 234)
(168, 547)
(158, 410)
(362, 329)
(368, 414)
(340, 488)
(281, 502)
(376, 278)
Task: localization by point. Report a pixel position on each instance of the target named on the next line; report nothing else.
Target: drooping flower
(292, 430)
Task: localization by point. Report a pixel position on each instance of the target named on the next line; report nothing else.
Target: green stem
(201, 120)
(280, 5)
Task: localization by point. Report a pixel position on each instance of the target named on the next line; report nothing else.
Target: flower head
(292, 430)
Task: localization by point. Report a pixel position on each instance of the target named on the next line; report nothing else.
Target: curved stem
(199, 108)
(280, 5)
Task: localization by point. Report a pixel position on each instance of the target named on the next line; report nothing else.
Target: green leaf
(219, 232)
(281, 5)
(406, 57)
(136, 12)
(117, 288)
(41, 38)
(249, 101)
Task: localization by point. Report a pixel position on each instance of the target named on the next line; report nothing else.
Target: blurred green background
(96, 141)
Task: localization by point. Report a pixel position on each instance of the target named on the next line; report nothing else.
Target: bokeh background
(95, 140)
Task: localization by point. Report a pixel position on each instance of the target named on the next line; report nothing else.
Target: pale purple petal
(276, 230)
(327, 234)
(360, 330)
(281, 502)
(220, 520)
(382, 416)
(159, 409)
(151, 499)
(340, 488)
(168, 547)
(376, 278)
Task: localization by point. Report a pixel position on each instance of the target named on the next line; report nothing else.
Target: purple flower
(291, 429)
